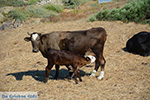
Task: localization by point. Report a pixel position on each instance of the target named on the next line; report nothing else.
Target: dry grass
(126, 75)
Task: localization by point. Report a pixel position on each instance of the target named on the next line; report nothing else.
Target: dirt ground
(127, 76)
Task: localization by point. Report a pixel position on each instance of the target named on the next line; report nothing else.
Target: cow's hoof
(76, 83)
(100, 78)
(45, 80)
(80, 80)
(55, 78)
(92, 75)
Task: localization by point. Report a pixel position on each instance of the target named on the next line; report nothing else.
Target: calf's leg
(47, 71)
(78, 72)
(57, 71)
(75, 74)
(70, 70)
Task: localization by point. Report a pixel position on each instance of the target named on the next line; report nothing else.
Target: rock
(58, 2)
(10, 24)
(5, 9)
(1, 17)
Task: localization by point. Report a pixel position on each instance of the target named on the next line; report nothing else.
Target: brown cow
(79, 42)
(62, 57)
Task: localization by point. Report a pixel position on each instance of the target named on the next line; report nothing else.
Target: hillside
(12, 16)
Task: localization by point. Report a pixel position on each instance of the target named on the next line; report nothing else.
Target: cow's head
(36, 40)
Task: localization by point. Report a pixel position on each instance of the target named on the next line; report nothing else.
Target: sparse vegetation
(136, 10)
(53, 7)
(32, 2)
(2, 3)
(38, 12)
(24, 9)
(17, 14)
(92, 18)
(15, 3)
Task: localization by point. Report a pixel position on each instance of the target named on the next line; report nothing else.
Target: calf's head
(35, 39)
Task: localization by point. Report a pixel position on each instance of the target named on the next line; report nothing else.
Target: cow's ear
(43, 37)
(27, 39)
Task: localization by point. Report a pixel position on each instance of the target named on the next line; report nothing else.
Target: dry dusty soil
(127, 76)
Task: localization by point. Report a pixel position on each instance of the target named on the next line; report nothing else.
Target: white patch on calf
(34, 36)
(91, 57)
(101, 75)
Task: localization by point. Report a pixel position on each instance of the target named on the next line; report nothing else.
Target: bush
(32, 2)
(38, 12)
(92, 18)
(52, 7)
(17, 14)
(136, 10)
(2, 3)
(16, 3)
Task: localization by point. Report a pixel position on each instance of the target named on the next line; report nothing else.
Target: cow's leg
(47, 71)
(57, 71)
(100, 61)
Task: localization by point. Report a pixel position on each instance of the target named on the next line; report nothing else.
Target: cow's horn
(28, 33)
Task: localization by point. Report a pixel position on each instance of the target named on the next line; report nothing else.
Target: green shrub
(70, 4)
(16, 3)
(2, 3)
(135, 10)
(92, 18)
(38, 12)
(52, 7)
(17, 14)
(32, 2)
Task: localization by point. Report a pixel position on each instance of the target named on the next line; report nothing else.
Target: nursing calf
(65, 58)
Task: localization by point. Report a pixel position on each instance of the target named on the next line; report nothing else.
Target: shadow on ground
(39, 75)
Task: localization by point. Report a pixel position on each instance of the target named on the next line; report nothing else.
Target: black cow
(78, 42)
(139, 44)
